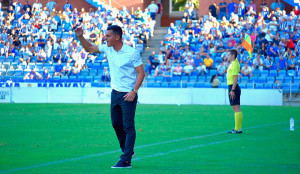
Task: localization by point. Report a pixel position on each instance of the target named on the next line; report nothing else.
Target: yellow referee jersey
(233, 70)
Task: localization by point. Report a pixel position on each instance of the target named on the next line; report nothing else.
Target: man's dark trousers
(122, 117)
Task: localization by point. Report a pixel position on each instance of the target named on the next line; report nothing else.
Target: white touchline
(183, 149)
(138, 147)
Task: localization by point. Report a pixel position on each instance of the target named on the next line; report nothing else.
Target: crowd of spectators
(198, 46)
(33, 34)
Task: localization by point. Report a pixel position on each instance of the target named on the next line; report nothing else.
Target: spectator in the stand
(50, 5)
(231, 41)
(280, 5)
(150, 59)
(26, 6)
(257, 63)
(41, 56)
(289, 54)
(48, 50)
(160, 69)
(214, 81)
(26, 56)
(292, 62)
(58, 69)
(231, 7)
(282, 64)
(153, 9)
(296, 10)
(251, 5)
(213, 9)
(273, 51)
(45, 75)
(273, 24)
(201, 69)
(168, 74)
(138, 13)
(241, 8)
(177, 70)
(246, 71)
(223, 9)
(76, 70)
(268, 63)
(36, 7)
(67, 69)
(67, 25)
(32, 75)
(221, 69)
(105, 77)
(208, 62)
(212, 50)
(188, 69)
(67, 5)
(274, 5)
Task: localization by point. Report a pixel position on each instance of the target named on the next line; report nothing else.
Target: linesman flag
(247, 45)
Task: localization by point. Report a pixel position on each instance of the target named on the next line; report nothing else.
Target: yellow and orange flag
(247, 45)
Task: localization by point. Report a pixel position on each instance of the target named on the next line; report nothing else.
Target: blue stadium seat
(156, 85)
(73, 78)
(286, 87)
(256, 73)
(84, 72)
(89, 78)
(264, 73)
(296, 79)
(250, 86)
(261, 80)
(159, 79)
(288, 79)
(64, 78)
(268, 86)
(149, 85)
(252, 79)
(10, 72)
(93, 72)
(164, 85)
(97, 78)
(207, 85)
(242, 86)
(208, 79)
(244, 79)
(282, 73)
(259, 86)
(213, 72)
(10, 59)
(295, 88)
(184, 78)
(193, 79)
(95, 85)
(174, 85)
(176, 79)
(273, 73)
(199, 85)
(201, 78)
(270, 80)
(223, 85)
(101, 85)
(190, 85)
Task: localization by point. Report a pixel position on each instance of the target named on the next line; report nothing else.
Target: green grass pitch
(79, 138)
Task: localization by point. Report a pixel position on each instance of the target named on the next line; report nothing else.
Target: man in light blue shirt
(50, 5)
(127, 74)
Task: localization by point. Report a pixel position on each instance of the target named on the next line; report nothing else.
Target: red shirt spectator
(233, 42)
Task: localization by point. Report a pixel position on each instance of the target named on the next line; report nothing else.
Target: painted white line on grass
(183, 149)
(138, 147)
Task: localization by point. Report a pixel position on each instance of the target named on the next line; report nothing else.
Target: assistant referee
(127, 74)
(234, 90)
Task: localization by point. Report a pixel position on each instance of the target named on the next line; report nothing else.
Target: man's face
(110, 38)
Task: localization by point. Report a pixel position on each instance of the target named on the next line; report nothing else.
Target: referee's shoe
(233, 131)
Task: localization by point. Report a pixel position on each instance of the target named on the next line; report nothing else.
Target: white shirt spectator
(188, 68)
(246, 70)
(121, 64)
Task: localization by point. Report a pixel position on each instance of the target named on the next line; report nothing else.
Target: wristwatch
(135, 91)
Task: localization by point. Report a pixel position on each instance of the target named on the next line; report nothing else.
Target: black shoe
(233, 131)
(121, 165)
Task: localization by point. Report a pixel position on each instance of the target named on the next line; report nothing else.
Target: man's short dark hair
(233, 52)
(117, 30)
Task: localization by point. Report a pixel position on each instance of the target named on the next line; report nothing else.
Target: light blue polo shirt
(121, 65)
